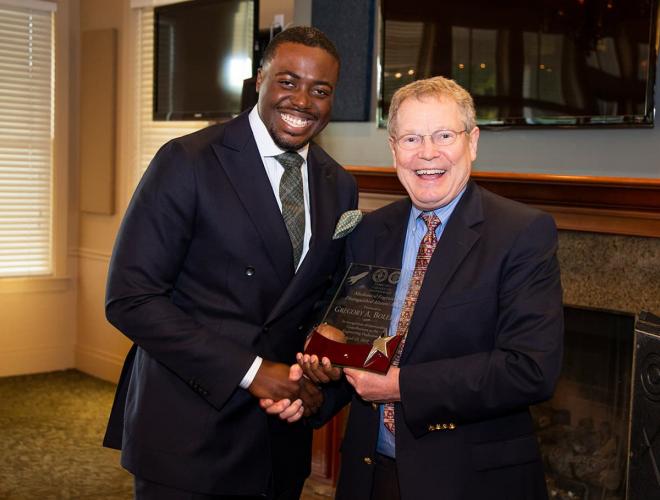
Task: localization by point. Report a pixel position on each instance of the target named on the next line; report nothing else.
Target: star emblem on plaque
(360, 312)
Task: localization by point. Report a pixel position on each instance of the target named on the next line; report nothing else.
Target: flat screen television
(203, 50)
(529, 63)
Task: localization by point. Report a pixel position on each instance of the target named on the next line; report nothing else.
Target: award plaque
(362, 310)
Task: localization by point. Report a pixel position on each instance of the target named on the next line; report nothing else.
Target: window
(152, 135)
(27, 60)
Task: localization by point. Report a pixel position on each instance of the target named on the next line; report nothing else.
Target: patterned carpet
(51, 428)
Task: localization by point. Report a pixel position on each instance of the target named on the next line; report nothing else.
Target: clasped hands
(312, 371)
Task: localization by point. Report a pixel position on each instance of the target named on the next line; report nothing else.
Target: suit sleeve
(524, 364)
(149, 252)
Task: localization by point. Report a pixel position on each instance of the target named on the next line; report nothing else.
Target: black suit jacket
(484, 343)
(201, 279)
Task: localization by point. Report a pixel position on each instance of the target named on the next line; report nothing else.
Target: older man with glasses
(480, 308)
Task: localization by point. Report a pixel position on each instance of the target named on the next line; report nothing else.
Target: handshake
(293, 392)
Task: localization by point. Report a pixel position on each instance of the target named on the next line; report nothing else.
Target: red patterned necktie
(424, 254)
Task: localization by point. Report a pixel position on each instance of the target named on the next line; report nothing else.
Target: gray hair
(435, 87)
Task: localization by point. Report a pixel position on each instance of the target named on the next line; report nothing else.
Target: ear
(474, 140)
(260, 78)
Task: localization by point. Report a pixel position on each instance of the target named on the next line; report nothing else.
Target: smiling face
(295, 93)
(433, 175)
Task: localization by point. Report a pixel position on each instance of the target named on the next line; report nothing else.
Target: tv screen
(529, 62)
(204, 49)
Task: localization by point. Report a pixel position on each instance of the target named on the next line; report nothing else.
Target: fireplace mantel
(614, 205)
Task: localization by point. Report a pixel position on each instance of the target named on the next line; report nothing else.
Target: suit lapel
(323, 214)
(388, 243)
(240, 159)
(457, 239)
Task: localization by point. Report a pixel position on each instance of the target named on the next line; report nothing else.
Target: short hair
(438, 87)
(304, 35)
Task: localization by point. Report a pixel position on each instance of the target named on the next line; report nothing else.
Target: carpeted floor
(51, 428)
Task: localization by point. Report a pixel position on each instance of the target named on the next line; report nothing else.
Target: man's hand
(318, 371)
(292, 410)
(272, 381)
(321, 371)
(374, 387)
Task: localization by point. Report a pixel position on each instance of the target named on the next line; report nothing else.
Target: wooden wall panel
(98, 66)
(597, 204)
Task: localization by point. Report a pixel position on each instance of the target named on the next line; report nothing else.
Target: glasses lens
(410, 141)
(444, 137)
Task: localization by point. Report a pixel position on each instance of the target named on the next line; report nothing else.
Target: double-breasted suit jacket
(484, 343)
(202, 280)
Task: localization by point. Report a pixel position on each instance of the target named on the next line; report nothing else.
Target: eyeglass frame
(422, 136)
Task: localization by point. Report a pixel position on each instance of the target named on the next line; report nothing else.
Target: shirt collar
(443, 212)
(265, 143)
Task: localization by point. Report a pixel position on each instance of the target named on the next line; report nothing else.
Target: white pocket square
(347, 223)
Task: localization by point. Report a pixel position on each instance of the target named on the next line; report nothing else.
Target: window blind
(26, 136)
(152, 135)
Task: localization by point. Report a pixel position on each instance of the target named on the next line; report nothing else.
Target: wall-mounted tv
(203, 50)
(529, 62)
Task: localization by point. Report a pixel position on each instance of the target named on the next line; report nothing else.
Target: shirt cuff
(251, 373)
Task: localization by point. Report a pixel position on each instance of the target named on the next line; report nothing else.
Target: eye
(322, 92)
(410, 139)
(287, 83)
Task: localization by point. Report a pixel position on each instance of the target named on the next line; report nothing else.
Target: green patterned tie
(293, 201)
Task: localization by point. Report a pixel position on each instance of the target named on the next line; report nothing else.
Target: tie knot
(290, 159)
(431, 220)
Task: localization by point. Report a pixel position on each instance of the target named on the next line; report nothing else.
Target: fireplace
(583, 429)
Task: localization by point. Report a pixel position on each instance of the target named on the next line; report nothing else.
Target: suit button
(249, 271)
(265, 329)
(367, 460)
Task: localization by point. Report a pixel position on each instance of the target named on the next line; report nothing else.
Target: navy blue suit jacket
(201, 280)
(484, 343)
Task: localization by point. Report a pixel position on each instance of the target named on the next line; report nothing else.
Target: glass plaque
(361, 309)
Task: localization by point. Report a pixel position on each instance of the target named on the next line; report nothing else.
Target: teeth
(294, 121)
(430, 171)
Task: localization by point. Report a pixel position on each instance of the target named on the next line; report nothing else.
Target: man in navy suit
(481, 307)
(209, 283)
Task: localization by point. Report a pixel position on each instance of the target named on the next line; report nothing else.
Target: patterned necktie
(424, 254)
(293, 201)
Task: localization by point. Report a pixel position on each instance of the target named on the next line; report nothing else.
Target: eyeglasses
(438, 138)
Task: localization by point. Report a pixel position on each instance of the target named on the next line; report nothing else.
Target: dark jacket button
(249, 271)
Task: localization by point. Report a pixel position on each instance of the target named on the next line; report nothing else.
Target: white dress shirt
(274, 170)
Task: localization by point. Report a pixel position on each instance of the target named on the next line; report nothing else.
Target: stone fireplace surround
(609, 248)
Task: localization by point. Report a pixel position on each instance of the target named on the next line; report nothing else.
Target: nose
(428, 151)
(300, 98)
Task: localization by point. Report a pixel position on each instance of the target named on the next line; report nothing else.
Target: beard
(288, 143)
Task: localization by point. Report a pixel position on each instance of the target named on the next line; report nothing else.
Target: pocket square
(347, 223)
